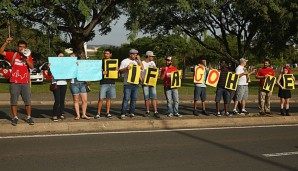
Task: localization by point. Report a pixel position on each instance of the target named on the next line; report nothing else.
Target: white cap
(242, 60)
(133, 51)
(149, 53)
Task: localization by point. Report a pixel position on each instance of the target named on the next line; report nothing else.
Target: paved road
(45, 111)
(223, 149)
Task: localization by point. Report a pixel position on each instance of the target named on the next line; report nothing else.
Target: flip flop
(85, 117)
(76, 118)
(62, 116)
(55, 119)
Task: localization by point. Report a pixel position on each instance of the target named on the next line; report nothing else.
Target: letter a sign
(134, 74)
(151, 77)
(175, 79)
(213, 78)
(199, 74)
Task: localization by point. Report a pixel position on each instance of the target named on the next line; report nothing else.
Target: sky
(117, 36)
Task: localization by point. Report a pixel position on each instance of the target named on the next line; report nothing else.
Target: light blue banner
(89, 70)
(63, 67)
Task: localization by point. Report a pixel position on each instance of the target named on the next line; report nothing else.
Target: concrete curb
(45, 126)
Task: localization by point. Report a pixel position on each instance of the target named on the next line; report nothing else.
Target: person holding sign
(283, 93)
(107, 86)
(20, 78)
(78, 90)
(59, 95)
(149, 91)
(200, 88)
(129, 66)
(171, 93)
(264, 95)
(242, 88)
(221, 91)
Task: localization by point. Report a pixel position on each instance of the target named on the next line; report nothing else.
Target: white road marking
(144, 131)
(281, 154)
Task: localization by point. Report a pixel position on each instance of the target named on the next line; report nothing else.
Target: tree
(76, 18)
(249, 22)
(41, 45)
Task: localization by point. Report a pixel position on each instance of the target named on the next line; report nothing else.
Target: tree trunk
(77, 42)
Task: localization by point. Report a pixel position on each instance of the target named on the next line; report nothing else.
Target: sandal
(77, 118)
(62, 116)
(85, 117)
(55, 119)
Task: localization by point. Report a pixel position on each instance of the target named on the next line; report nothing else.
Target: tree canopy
(253, 23)
(76, 18)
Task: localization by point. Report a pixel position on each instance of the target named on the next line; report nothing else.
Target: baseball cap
(149, 53)
(133, 51)
(169, 58)
(242, 60)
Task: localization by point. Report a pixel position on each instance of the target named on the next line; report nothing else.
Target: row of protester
(230, 84)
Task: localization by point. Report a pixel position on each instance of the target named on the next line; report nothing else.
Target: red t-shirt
(20, 73)
(264, 71)
(167, 79)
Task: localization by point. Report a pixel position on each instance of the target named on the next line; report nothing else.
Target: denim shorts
(78, 88)
(200, 93)
(107, 91)
(19, 89)
(225, 93)
(241, 93)
(149, 92)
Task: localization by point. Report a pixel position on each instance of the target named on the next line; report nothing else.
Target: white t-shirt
(59, 82)
(147, 65)
(124, 64)
(242, 80)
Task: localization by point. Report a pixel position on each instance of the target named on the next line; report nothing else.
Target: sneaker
(30, 121)
(147, 113)
(244, 111)
(218, 114)
(131, 115)
(109, 116)
(97, 116)
(204, 112)
(178, 115)
(235, 112)
(14, 121)
(156, 114)
(122, 116)
(228, 114)
(170, 114)
(195, 112)
(268, 113)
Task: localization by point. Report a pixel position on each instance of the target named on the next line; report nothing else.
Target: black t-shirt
(223, 76)
(106, 80)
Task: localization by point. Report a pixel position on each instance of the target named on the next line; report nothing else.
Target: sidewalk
(46, 126)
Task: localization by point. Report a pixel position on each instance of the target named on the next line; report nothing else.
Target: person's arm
(2, 49)
(278, 81)
(163, 73)
(258, 76)
(29, 62)
(252, 71)
(124, 69)
(140, 62)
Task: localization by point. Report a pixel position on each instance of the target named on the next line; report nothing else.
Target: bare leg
(76, 105)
